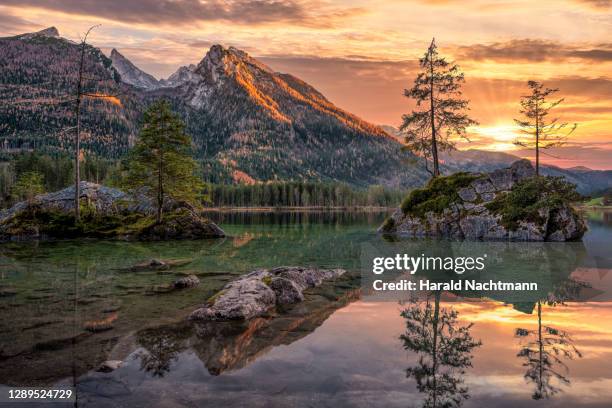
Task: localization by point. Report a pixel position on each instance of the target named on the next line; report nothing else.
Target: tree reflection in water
(545, 348)
(444, 347)
(161, 347)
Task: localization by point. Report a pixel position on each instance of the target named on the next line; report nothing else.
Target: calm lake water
(66, 307)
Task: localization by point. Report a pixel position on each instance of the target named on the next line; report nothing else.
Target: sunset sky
(362, 53)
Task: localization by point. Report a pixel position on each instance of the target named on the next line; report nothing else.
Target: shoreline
(297, 209)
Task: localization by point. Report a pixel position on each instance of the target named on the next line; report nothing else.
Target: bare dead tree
(77, 143)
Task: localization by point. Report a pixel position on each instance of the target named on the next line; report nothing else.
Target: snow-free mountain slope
(130, 73)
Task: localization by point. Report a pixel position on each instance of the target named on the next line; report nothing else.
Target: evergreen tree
(160, 164)
(540, 131)
(437, 92)
(28, 186)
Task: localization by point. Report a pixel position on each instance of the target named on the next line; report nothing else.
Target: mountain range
(248, 122)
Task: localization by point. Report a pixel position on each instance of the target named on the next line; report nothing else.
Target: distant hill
(587, 180)
(247, 121)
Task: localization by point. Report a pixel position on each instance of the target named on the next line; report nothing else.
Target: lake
(66, 307)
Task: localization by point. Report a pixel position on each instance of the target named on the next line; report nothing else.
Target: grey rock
(286, 291)
(255, 293)
(189, 281)
(521, 170)
(502, 179)
(470, 206)
(409, 226)
(467, 194)
(565, 225)
(479, 209)
(244, 298)
(526, 232)
(477, 226)
(104, 200)
(487, 197)
(482, 186)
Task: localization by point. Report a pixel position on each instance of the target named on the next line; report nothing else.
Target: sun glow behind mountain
(498, 137)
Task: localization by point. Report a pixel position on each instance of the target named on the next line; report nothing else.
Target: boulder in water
(189, 281)
(255, 293)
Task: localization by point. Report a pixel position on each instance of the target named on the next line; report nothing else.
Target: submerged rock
(506, 204)
(190, 281)
(106, 213)
(158, 264)
(257, 292)
(100, 325)
(109, 365)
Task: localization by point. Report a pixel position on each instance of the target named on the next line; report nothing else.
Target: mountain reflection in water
(334, 350)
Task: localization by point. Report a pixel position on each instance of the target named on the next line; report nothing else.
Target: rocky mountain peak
(51, 32)
(220, 60)
(182, 75)
(130, 73)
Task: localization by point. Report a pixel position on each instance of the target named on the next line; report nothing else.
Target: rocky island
(105, 213)
(506, 204)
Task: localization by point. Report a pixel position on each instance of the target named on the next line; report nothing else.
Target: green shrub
(388, 225)
(528, 196)
(28, 185)
(437, 195)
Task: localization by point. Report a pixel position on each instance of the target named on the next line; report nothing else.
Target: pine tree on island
(160, 165)
(441, 112)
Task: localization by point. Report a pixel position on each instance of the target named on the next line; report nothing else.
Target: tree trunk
(541, 348)
(160, 194)
(537, 141)
(160, 180)
(434, 144)
(77, 147)
(434, 348)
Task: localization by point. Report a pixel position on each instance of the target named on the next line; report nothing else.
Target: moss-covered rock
(105, 213)
(437, 195)
(531, 200)
(510, 203)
